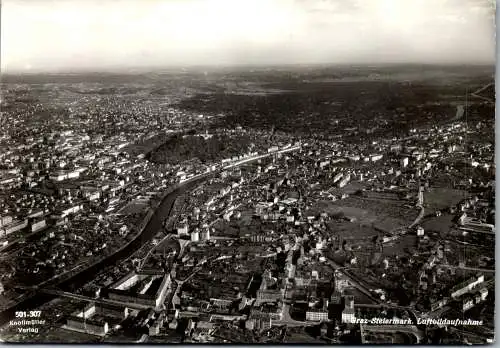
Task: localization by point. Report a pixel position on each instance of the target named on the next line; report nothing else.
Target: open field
(385, 216)
(336, 209)
(349, 230)
(133, 208)
(442, 224)
(441, 198)
(397, 247)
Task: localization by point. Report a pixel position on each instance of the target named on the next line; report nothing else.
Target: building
(265, 312)
(146, 295)
(340, 282)
(38, 224)
(404, 162)
(344, 181)
(348, 315)
(58, 176)
(89, 326)
(220, 305)
(420, 196)
(439, 304)
(258, 324)
(316, 315)
(82, 321)
(5, 220)
(483, 293)
(420, 231)
(64, 212)
(73, 174)
(469, 224)
(337, 177)
(203, 331)
(14, 226)
(467, 303)
(154, 329)
(264, 295)
(262, 207)
(336, 297)
(195, 236)
(183, 230)
(466, 286)
(205, 234)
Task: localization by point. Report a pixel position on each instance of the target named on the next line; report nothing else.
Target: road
(288, 320)
(418, 218)
(476, 93)
(77, 297)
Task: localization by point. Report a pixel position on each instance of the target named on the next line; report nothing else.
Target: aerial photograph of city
(247, 172)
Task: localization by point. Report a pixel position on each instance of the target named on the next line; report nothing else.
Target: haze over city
(101, 35)
(256, 172)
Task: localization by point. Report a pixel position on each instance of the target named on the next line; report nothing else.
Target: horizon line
(155, 69)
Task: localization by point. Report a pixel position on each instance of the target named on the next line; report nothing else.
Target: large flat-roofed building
(316, 315)
(93, 327)
(143, 289)
(466, 286)
(82, 320)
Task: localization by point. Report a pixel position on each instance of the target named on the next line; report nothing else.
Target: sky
(69, 35)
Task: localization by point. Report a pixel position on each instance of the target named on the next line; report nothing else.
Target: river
(36, 299)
